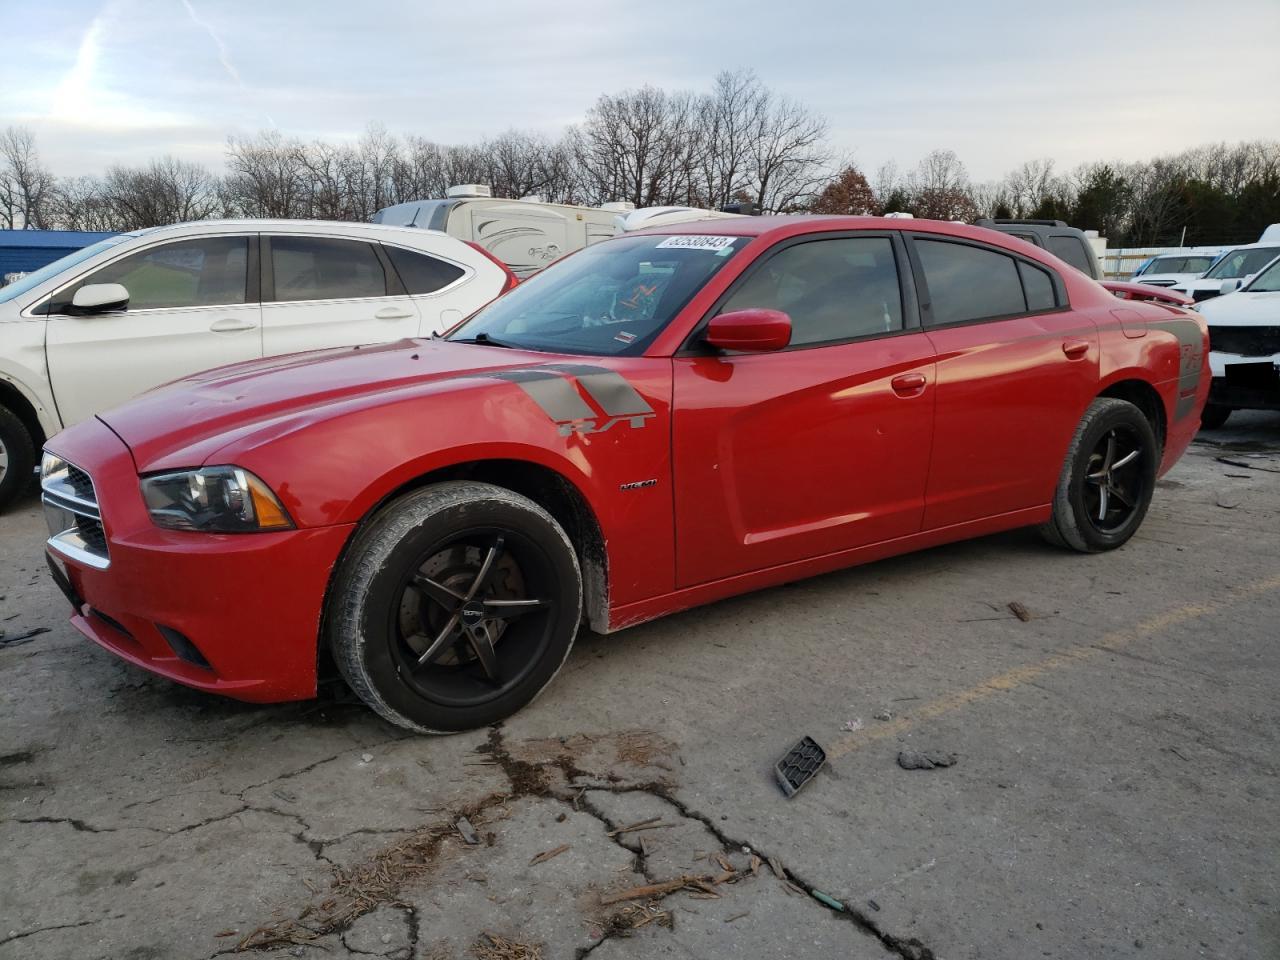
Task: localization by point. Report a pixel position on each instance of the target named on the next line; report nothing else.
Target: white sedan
(139, 309)
(1244, 347)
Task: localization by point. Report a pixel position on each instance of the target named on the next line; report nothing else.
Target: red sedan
(656, 422)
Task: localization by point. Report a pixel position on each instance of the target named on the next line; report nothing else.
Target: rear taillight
(511, 279)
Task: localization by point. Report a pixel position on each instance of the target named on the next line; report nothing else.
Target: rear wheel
(1107, 480)
(17, 457)
(1213, 416)
(455, 606)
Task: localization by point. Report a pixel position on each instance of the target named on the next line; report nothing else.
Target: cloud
(223, 57)
(85, 97)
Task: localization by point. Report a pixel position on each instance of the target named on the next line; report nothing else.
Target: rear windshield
(612, 298)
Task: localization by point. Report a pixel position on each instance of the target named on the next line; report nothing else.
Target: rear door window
(322, 268)
(421, 273)
(833, 290)
(969, 283)
(1038, 287)
(1072, 250)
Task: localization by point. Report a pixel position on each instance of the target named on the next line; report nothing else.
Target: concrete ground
(1115, 791)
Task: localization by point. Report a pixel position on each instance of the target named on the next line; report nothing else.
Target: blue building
(22, 251)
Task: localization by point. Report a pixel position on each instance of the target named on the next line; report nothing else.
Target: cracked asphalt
(1116, 792)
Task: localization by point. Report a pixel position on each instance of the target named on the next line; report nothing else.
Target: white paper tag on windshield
(696, 241)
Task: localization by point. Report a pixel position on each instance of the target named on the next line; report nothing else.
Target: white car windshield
(50, 270)
(1268, 281)
(1179, 264)
(1241, 263)
(610, 299)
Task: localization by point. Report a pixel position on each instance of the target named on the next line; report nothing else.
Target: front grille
(1245, 341)
(72, 515)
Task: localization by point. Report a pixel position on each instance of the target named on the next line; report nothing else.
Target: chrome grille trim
(73, 516)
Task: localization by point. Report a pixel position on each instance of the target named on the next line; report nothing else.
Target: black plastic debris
(20, 638)
(799, 765)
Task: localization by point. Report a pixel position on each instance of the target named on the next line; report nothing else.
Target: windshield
(37, 277)
(612, 298)
(1241, 263)
(1178, 265)
(1268, 281)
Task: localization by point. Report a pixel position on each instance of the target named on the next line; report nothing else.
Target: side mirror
(753, 330)
(100, 297)
(1230, 286)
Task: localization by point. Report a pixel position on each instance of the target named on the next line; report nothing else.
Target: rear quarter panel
(1168, 348)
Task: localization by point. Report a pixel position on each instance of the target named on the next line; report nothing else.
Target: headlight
(213, 500)
(52, 467)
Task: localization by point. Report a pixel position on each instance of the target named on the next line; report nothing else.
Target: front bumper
(1244, 382)
(235, 614)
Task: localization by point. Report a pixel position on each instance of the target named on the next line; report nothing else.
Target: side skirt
(641, 611)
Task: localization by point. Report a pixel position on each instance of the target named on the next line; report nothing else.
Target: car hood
(1242, 309)
(181, 423)
(1166, 279)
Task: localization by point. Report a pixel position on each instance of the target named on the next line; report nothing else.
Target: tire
(17, 457)
(399, 594)
(1213, 416)
(1095, 511)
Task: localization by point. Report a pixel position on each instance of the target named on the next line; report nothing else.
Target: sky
(122, 81)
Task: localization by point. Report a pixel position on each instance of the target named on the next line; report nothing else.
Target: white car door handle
(393, 313)
(231, 325)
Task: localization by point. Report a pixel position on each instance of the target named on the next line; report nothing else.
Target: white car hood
(1166, 279)
(1242, 310)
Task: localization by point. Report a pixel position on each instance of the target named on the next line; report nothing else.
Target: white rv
(527, 234)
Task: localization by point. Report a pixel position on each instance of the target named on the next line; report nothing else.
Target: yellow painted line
(1020, 676)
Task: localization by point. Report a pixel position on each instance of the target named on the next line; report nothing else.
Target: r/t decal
(552, 387)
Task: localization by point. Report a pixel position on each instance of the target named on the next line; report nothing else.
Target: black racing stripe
(616, 397)
(1189, 335)
(550, 391)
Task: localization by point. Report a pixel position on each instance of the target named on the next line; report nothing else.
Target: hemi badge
(638, 484)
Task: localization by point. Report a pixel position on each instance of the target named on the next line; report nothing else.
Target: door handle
(392, 313)
(908, 384)
(1075, 349)
(231, 325)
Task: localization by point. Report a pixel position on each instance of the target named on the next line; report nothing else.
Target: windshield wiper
(486, 340)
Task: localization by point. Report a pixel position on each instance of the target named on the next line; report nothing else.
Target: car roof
(778, 226)
(293, 226)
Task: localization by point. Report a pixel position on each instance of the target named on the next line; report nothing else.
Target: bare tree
(26, 185)
(787, 153)
(266, 176)
(641, 146)
(939, 188)
(165, 191)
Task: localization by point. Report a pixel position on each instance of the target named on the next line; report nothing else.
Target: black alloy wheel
(454, 606)
(466, 627)
(1113, 479)
(1107, 480)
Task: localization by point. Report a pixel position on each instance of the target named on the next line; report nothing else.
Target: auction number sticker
(696, 241)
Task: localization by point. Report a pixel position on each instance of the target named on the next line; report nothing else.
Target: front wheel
(455, 606)
(17, 457)
(1214, 416)
(1107, 480)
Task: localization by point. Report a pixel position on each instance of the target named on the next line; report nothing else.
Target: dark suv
(1064, 242)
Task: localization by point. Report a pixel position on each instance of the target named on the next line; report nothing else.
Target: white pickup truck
(140, 309)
